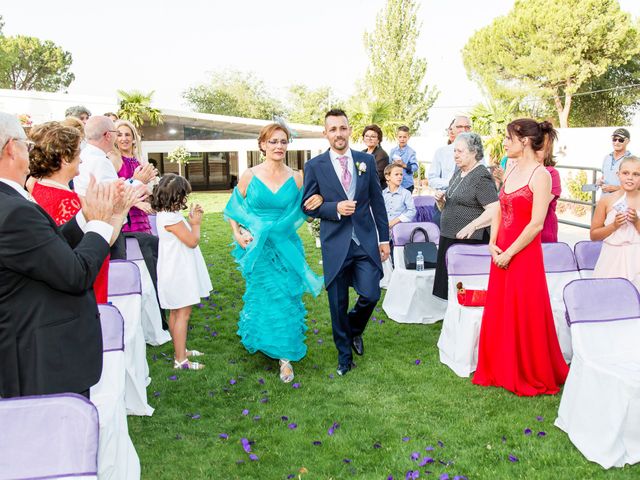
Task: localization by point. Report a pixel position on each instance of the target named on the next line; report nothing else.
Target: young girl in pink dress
(616, 223)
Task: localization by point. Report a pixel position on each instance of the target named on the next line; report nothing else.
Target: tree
(490, 120)
(604, 101)
(546, 48)
(309, 106)
(236, 94)
(395, 76)
(31, 64)
(135, 106)
(366, 112)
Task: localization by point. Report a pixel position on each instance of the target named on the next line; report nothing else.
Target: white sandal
(187, 365)
(286, 371)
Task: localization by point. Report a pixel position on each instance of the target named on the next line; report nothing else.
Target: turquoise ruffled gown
(273, 265)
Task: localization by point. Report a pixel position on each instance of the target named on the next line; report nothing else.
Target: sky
(168, 46)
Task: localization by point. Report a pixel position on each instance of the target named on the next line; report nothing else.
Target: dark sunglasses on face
(618, 139)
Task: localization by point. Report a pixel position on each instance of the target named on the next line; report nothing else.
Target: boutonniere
(361, 167)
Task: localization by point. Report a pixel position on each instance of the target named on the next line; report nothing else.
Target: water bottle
(419, 262)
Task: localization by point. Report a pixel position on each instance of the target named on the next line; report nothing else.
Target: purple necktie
(345, 178)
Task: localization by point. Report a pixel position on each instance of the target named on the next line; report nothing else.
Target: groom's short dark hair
(336, 112)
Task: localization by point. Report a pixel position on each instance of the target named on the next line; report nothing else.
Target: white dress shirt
(97, 226)
(94, 161)
(442, 168)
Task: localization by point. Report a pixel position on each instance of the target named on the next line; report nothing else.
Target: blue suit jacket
(369, 220)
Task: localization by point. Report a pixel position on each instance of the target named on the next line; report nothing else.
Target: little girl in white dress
(183, 278)
(616, 223)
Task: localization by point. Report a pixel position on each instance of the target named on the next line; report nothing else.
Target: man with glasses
(442, 167)
(50, 337)
(609, 180)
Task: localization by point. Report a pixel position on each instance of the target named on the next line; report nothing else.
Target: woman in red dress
(54, 162)
(519, 348)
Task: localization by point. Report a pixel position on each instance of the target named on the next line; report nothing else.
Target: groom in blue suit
(354, 233)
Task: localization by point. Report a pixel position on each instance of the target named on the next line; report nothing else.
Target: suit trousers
(358, 271)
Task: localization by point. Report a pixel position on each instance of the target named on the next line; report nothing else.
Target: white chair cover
(587, 254)
(117, 457)
(600, 405)
(409, 297)
(151, 319)
(560, 268)
(48, 436)
(387, 271)
(125, 294)
(458, 342)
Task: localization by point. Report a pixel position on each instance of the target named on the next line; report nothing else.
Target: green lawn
(400, 401)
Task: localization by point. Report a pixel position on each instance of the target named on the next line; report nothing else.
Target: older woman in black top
(372, 136)
(467, 206)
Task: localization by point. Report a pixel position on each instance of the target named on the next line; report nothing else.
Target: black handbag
(429, 251)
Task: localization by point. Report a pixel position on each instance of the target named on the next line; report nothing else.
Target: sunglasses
(618, 139)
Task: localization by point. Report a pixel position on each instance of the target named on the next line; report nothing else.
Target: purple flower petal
(290, 476)
(316, 331)
(412, 475)
(331, 376)
(390, 477)
(539, 418)
(264, 400)
(444, 476)
(429, 449)
(527, 431)
(239, 461)
(293, 426)
(214, 334)
(173, 378)
(195, 416)
(253, 457)
(223, 436)
(415, 456)
(425, 461)
(246, 445)
(233, 381)
(418, 361)
(333, 428)
(257, 417)
(460, 477)
(346, 460)
(245, 412)
(406, 439)
(317, 443)
(513, 458)
(504, 439)
(296, 385)
(320, 341)
(377, 445)
(542, 434)
(156, 394)
(261, 381)
(284, 418)
(440, 444)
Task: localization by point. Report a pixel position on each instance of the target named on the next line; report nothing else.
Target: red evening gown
(519, 347)
(63, 205)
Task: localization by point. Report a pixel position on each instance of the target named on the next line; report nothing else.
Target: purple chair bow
(465, 259)
(401, 232)
(587, 254)
(425, 208)
(124, 278)
(133, 249)
(558, 257)
(601, 300)
(48, 436)
(112, 325)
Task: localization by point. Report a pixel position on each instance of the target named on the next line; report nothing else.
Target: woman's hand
(195, 214)
(313, 202)
(466, 232)
(502, 260)
(144, 206)
(632, 215)
(132, 197)
(498, 173)
(243, 237)
(620, 219)
(494, 250)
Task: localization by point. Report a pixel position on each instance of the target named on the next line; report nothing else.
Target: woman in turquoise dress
(265, 212)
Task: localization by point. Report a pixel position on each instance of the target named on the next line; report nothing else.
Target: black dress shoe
(344, 369)
(358, 345)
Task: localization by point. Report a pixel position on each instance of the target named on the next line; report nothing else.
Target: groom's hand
(384, 251)
(346, 207)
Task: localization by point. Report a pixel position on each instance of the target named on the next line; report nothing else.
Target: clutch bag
(471, 298)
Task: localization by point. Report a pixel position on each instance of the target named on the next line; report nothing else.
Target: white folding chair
(409, 297)
(587, 254)
(600, 405)
(125, 294)
(48, 436)
(117, 457)
(458, 342)
(151, 319)
(560, 268)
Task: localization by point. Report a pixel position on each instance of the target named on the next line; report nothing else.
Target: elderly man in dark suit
(50, 337)
(354, 233)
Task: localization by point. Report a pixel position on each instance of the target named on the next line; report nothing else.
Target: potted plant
(179, 155)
